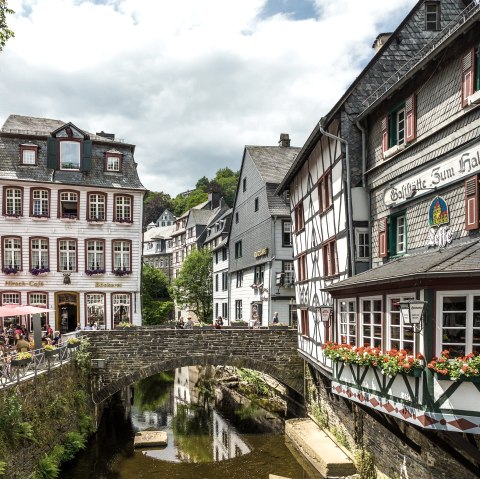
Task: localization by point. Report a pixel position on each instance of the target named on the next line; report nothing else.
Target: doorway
(66, 306)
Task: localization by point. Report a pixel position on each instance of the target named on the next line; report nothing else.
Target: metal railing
(443, 35)
(14, 371)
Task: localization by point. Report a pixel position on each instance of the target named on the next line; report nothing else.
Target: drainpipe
(321, 124)
(364, 182)
(272, 279)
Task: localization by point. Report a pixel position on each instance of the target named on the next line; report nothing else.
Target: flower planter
(463, 379)
(50, 353)
(414, 373)
(73, 345)
(21, 362)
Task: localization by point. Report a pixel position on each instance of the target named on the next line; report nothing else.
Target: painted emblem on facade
(438, 214)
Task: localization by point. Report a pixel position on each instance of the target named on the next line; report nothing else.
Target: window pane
(70, 155)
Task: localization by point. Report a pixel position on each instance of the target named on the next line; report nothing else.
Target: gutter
(322, 123)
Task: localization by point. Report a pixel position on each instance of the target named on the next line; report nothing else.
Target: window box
(39, 217)
(69, 217)
(12, 216)
(12, 270)
(465, 379)
(125, 221)
(91, 272)
(96, 221)
(393, 150)
(39, 271)
(121, 272)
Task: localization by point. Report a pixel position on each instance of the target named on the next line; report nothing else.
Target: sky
(189, 82)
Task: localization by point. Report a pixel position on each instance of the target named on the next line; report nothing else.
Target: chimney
(380, 41)
(110, 136)
(284, 141)
(214, 199)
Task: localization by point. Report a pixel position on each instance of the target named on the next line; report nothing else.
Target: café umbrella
(26, 310)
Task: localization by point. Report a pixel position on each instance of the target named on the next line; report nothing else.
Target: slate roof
(224, 214)
(272, 162)
(164, 232)
(199, 217)
(456, 260)
(276, 203)
(19, 129)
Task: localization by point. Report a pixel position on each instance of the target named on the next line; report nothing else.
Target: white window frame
(96, 206)
(63, 164)
(113, 163)
(67, 249)
(289, 270)
(468, 322)
(95, 255)
(12, 253)
(345, 320)
(13, 201)
(120, 300)
(40, 206)
(123, 208)
(69, 197)
(96, 309)
(402, 328)
(401, 234)
(121, 255)
(359, 232)
(371, 324)
(400, 124)
(39, 253)
(10, 298)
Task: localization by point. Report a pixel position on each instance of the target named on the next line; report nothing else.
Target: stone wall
(399, 449)
(137, 353)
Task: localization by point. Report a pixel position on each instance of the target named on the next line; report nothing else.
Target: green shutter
(87, 155)
(392, 134)
(52, 153)
(477, 69)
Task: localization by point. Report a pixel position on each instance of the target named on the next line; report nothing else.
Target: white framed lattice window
(95, 255)
(362, 243)
(398, 335)
(96, 207)
(39, 253)
(96, 309)
(371, 322)
(347, 321)
(40, 203)
(121, 308)
(13, 201)
(121, 255)
(67, 256)
(123, 208)
(10, 298)
(12, 254)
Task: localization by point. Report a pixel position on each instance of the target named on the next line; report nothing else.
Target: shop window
(286, 233)
(67, 255)
(460, 322)
(40, 203)
(238, 309)
(399, 336)
(259, 274)
(95, 252)
(330, 262)
(96, 206)
(304, 326)
(432, 16)
(471, 77)
(12, 202)
(123, 209)
(399, 127)
(238, 249)
(302, 267)
(69, 205)
(299, 217)
(325, 198)
(96, 309)
(12, 255)
(239, 279)
(347, 321)
(28, 154)
(121, 303)
(371, 316)
(39, 255)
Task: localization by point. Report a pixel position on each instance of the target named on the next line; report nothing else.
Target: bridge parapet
(133, 354)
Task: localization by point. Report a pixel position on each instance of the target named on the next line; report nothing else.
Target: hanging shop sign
(439, 237)
(261, 252)
(443, 173)
(438, 214)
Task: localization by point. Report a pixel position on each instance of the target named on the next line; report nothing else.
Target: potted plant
(73, 343)
(22, 359)
(50, 351)
(395, 362)
(124, 325)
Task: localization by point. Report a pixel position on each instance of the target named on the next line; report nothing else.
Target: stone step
(150, 439)
(320, 451)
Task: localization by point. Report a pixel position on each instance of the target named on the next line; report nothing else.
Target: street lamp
(412, 313)
(325, 311)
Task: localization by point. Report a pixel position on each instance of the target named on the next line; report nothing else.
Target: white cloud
(189, 82)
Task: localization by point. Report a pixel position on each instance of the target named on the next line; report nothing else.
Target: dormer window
(28, 154)
(113, 161)
(70, 155)
(432, 16)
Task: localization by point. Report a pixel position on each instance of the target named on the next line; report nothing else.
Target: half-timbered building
(70, 229)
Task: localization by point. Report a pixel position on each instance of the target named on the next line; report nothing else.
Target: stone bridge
(137, 353)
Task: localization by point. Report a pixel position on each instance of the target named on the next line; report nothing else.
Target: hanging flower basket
(22, 360)
(73, 343)
(50, 353)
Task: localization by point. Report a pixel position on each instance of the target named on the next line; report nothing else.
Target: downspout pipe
(321, 125)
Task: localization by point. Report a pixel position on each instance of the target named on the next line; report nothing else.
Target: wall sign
(454, 168)
(35, 284)
(439, 237)
(108, 285)
(438, 213)
(260, 252)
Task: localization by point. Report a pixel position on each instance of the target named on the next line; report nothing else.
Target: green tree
(157, 305)
(192, 288)
(154, 205)
(5, 32)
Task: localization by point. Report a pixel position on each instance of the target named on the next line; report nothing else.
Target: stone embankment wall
(36, 416)
(397, 449)
(136, 353)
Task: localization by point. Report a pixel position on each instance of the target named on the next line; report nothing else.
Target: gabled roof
(272, 162)
(459, 260)
(159, 232)
(199, 217)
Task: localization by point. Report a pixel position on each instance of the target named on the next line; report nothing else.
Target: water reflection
(196, 432)
(206, 439)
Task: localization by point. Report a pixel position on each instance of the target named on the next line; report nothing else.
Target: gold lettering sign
(261, 252)
(35, 284)
(108, 285)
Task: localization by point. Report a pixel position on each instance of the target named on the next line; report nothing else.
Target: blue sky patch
(295, 9)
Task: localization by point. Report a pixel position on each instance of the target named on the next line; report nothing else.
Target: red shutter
(471, 203)
(467, 76)
(410, 119)
(382, 238)
(385, 134)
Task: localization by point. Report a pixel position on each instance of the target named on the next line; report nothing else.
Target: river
(210, 435)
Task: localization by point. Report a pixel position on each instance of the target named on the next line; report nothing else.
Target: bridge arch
(134, 355)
